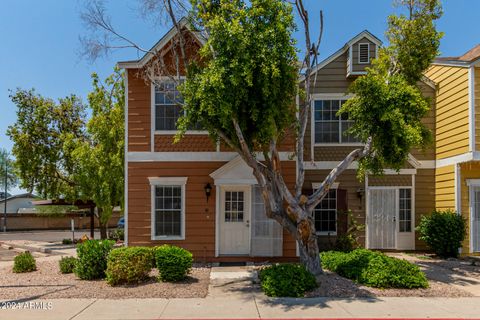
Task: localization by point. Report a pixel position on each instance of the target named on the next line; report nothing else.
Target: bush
(173, 263)
(92, 259)
(129, 265)
(374, 269)
(67, 241)
(443, 232)
(286, 280)
(117, 234)
(24, 262)
(67, 264)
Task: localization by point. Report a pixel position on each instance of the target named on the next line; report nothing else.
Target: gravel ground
(48, 282)
(333, 285)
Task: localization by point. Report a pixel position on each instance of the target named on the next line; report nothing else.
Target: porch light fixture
(360, 193)
(208, 190)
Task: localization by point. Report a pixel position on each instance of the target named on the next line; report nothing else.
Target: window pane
(168, 210)
(405, 216)
(326, 213)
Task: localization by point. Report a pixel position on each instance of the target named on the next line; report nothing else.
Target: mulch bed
(48, 282)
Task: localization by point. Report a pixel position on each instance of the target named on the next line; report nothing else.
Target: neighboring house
(389, 206)
(457, 178)
(167, 185)
(16, 202)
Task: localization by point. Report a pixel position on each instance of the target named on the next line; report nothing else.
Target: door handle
(394, 219)
(247, 223)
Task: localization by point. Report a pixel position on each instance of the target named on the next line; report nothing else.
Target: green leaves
(59, 154)
(11, 177)
(388, 105)
(248, 70)
(443, 232)
(286, 280)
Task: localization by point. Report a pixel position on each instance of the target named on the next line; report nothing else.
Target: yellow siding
(445, 188)
(470, 170)
(451, 111)
(477, 108)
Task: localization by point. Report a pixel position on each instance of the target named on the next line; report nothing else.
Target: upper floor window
(167, 106)
(329, 127)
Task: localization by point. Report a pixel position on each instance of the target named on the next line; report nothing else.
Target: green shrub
(67, 241)
(349, 240)
(173, 263)
(67, 264)
(286, 280)
(92, 259)
(117, 234)
(24, 262)
(443, 232)
(374, 269)
(129, 265)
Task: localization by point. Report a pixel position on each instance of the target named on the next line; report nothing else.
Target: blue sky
(39, 40)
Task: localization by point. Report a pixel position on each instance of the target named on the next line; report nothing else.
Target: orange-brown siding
(199, 214)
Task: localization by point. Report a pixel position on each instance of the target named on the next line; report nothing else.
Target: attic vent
(363, 53)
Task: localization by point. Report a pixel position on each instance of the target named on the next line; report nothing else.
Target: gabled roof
(364, 34)
(470, 57)
(183, 23)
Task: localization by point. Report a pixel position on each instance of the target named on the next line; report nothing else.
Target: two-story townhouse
(388, 206)
(457, 139)
(199, 195)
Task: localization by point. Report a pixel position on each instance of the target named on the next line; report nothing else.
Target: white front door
(475, 219)
(381, 218)
(234, 220)
(390, 218)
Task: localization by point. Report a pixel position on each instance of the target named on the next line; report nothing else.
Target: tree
(243, 91)
(8, 174)
(60, 155)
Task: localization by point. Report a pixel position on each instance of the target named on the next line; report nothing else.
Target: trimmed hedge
(286, 280)
(92, 259)
(173, 263)
(67, 264)
(443, 231)
(374, 269)
(24, 262)
(129, 265)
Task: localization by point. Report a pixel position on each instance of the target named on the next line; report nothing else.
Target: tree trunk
(310, 257)
(103, 231)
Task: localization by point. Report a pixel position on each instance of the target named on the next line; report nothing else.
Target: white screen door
(476, 220)
(235, 221)
(381, 219)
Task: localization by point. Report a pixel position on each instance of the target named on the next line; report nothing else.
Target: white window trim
(315, 186)
(330, 96)
(368, 47)
(159, 181)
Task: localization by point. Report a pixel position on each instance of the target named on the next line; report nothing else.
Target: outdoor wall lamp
(360, 193)
(208, 190)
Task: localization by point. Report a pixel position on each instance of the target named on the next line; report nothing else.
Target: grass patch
(374, 269)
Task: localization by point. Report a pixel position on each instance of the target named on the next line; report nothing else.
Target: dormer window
(364, 53)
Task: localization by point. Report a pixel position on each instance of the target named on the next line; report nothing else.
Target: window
(167, 108)
(405, 221)
(364, 53)
(329, 127)
(234, 206)
(168, 208)
(326, 213)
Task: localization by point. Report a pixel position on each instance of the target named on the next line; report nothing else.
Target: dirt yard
(48, 282)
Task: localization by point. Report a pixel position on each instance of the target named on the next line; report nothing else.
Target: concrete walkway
(232, 296)
(232, 307)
